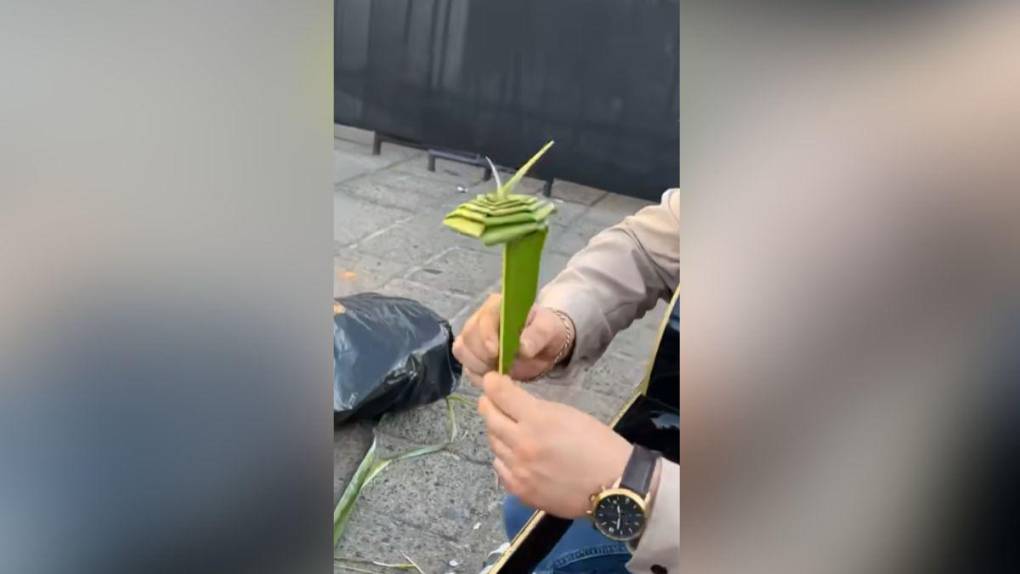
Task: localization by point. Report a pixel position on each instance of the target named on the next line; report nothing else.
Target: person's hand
(550, 455)
(477, 345)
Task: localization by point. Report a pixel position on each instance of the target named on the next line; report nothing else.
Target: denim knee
(515, 515)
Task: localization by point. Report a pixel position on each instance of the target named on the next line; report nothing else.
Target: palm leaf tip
(505, 189)
(503, 216)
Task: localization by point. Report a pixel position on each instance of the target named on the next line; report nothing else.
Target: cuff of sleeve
(660, 543)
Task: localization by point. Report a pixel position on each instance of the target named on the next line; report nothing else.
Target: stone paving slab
(435, 508)
(346, 166)
(461, 270)
(445, 303)
(638, 347)
(576, 193)
(567, 212)
(439, 492)
(368, 189)
(372, 536)
(613, 208)
(428, 425)
(600, 406)
(489, 535)
(389, 540)
(399, 189)
(353, 159)
(642, 336)
(355, 219)
(358, 272)
(407, 177)
(569, 239)
(614, 375)
(412, 244)
(447, 171)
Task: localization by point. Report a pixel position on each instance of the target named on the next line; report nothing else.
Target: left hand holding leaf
(550, 455)
(477, 345)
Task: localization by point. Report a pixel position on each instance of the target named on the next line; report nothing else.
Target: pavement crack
(380, 231)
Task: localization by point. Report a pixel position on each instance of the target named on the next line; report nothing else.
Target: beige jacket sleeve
(621, 274)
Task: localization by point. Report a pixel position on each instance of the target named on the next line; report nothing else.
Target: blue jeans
(581, 550)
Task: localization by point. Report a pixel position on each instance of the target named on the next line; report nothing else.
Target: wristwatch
(621, 512)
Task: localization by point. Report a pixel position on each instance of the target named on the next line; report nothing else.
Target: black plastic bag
(390, 354)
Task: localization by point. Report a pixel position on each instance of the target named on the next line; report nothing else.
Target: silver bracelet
(568, 343)
(567, 346)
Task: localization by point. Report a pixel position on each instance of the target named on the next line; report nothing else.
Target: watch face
(619, 517)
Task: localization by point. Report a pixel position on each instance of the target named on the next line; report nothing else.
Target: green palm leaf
(520, 222)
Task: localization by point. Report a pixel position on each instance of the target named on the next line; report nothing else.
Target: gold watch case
(597, 498)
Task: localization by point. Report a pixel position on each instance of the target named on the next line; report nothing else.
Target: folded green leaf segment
(521, 262)
(521, 223)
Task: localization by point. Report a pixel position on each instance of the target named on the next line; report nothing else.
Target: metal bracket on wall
(475, 159)
(379, 138)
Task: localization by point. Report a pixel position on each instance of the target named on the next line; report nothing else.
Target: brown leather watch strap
(637, 475)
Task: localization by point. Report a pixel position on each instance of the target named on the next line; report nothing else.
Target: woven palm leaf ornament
(520, 223)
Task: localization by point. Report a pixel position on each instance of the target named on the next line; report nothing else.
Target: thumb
(533, 340)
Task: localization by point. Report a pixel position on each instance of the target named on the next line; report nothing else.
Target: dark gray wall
(501, 77)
